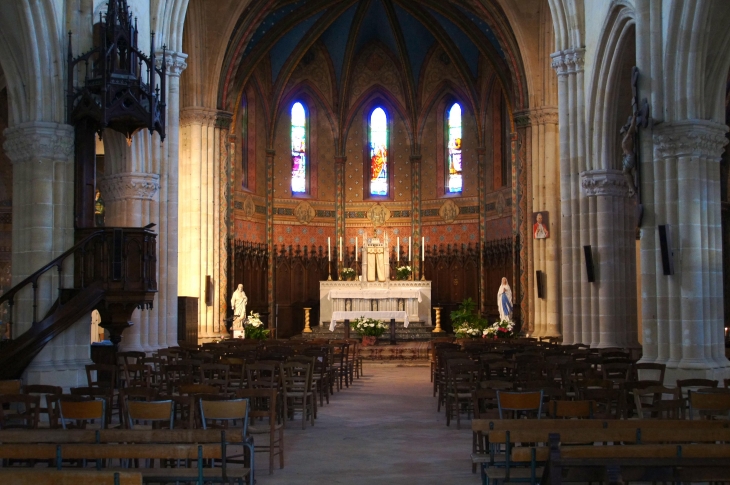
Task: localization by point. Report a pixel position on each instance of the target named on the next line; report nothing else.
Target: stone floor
(382, 430)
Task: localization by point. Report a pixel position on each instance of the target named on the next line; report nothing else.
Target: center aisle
(382, 430)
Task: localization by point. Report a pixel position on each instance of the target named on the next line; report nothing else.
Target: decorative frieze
(125, 186)
(690, 138)
(38, 140)
(606, 183)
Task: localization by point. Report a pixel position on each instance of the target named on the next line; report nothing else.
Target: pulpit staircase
(112, 270)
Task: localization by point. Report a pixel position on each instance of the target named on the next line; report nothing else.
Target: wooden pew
(45, 476)
(99, 452)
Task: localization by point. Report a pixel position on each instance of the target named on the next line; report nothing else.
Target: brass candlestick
(329, 270)
(438, 320)
(307, 328)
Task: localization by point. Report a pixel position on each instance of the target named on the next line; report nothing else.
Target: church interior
(177, 174)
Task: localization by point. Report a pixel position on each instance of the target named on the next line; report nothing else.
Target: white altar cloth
(376, 294)
(387, 316)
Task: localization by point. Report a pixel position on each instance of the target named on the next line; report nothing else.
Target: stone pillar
(42, 157)
(614, 257)
(545, 196)
(203, 180)
(339, 209)
(416, 229)
(270, 154)
(482, 186)
(575, 295)
(687, 153)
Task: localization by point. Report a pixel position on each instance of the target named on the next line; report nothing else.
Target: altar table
(376, 315)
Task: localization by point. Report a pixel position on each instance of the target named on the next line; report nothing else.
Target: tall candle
(340, 248)
(329, 251)
(397, 250)
(356, 249)
(410, 239)
(423, 248)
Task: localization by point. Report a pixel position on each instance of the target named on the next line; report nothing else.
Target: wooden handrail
(8, 295)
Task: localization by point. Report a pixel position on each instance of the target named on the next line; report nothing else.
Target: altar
(374, 291)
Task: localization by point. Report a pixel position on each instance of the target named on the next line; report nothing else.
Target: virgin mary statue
(504, 301)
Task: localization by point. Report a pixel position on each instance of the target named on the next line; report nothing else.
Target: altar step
(416, 331)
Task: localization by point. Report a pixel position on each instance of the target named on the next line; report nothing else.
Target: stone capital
(129, 185)
(606, 183)
(568, 61)
(198, 116)
(39, 140)
(223, 120)
(690, 138)
(175, 62)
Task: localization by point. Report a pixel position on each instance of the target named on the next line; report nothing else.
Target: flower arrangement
(254, 327)
(403, 272)
(501, 329)
(347, 274)
(466, 321)
(368, 327)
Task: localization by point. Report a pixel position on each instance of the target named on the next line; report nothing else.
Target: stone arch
(603, 91)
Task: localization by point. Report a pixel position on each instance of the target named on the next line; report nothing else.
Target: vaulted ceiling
(280, 34)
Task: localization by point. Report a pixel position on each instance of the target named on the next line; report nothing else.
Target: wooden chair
(462, 376)
(571, 409)
(298, 393)
(650, 371)
(97, 393)
(146, 394)
(320, 372)
(262, 410)
(137, 375)
(709, 405)
(529, 403)
(262, 375)
(651, 400)
(228, 413)
(175, 375)
(339, 363)
(217, 375)
(150, 414)
(51, 476)
(26, 411)
(10, 386)
(609, 403)
(81, 410)
(50, 395)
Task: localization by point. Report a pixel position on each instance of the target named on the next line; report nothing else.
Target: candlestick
(329, 252)
(397, 250)
(340, 249)
(356, 249)
(410, 239)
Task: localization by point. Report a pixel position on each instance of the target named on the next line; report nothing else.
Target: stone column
(203, 180)
(575, 295)
(270, 154)
(42, 157)
(130, 187)
(339, 209)
(688, 153)
(482, 185)
(416, 229)
(614, 257)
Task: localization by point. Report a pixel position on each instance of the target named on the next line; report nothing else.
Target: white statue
(504, 301)
(238, 303)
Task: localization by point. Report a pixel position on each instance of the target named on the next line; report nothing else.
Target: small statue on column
(99, 209)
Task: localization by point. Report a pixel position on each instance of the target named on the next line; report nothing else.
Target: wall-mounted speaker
(208, 291)
(665, 243)
(540, 282)
(589, 264)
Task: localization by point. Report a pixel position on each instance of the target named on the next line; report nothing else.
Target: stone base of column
(707, 372)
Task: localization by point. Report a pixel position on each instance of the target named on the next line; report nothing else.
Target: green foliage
(466, 321)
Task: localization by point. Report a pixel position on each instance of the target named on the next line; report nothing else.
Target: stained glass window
(378, 152)
(298, 149)
(454, 177)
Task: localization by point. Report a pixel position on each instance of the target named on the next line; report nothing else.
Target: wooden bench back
(44, 476)
(542, 453)
(172, 436)
(485, 425)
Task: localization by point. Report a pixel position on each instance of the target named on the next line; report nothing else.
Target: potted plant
(403, 272)
(466, 321)
(369, 329)
(348, 274)
(254, 327)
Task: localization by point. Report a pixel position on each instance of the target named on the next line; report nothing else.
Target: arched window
(378, 140)
(299, 152)
(454, 181)
(244, 143)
